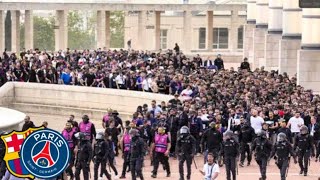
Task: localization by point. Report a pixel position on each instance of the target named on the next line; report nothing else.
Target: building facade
(226, 33)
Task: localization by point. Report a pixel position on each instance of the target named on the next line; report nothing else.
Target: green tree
(117, 29)
(43, 33)
(80, 37)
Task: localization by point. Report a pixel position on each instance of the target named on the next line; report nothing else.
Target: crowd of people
(226, 115)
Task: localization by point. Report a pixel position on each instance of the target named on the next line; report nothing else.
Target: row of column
(281, 36)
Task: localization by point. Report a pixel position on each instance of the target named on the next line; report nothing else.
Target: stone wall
(64, 100)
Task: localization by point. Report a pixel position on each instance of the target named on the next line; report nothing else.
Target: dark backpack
(99, 150)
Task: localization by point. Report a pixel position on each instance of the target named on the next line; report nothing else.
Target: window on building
(240, 37)
(202, 38)
(220, 38)
(163, 38)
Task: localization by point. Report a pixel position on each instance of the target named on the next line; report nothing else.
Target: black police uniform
(185, 149)
(282, 151)
(262, 147)
(136, 158)
(99, 155)
(110, 155)
(230, 151)
(84, 156)
(304, 148)
(173, 126)
(246, 137)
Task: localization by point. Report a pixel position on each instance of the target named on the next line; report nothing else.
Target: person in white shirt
(186, 93)
(256, 121)
(120, 81)
(146, 84)
(295, 123)
(210, 169)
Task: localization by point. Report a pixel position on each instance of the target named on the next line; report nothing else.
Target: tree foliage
(117, 29)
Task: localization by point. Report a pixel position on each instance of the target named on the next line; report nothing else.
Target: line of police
(230, 147)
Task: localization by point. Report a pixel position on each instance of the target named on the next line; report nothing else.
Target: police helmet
(184, 130)
(304, 129)
(79, 135)
(281, 137)
(262, 134)
(100, 135)
(133, 132)
(85, 117)
(228, 135)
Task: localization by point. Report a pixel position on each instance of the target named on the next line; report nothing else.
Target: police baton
(195, 164)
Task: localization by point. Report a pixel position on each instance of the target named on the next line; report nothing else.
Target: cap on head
(228, 135)
(133, 132)
(262, 134)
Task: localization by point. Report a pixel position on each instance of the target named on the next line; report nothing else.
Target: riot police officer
(186, 149)
(161, 147)
(99, 156)
(137, 149)
(2, 153)
(262, 147)
(84, 156)
(303, 145)
(282, 150)
(230, 151)
(246, 137)
(68, 133)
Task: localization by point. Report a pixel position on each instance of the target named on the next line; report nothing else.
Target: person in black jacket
(282, 150)
(245, 64)
(99, 156)
(246, 137)
(211, 141)
(262, 148)
(284, 129)
(230, 152)
(304, 147)
(173, 122)
(196, 129)
(219, 62)
(186, 149)
(27, 124)
(137, 150)
(83, 157)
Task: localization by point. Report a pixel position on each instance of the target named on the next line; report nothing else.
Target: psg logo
(45, 153)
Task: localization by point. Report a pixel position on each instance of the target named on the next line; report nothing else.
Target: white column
(15, 31)
(248, 31)
(262, 13)
(311, 29)
(28, 32)
(2, 36)
(308, 74)
(61, 30)
(291, 37)
(275, 14)
(142, 18)
(209, 30)
(101, 27)
(233, 37)
(274, 35)
(291, 19)
(187, 36)
(107, 29)
(251, 11)
(157, 29)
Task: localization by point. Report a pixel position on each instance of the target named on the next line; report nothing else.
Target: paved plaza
(245, 173)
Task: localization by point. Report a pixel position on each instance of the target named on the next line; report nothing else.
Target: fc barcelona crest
(13, 143)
